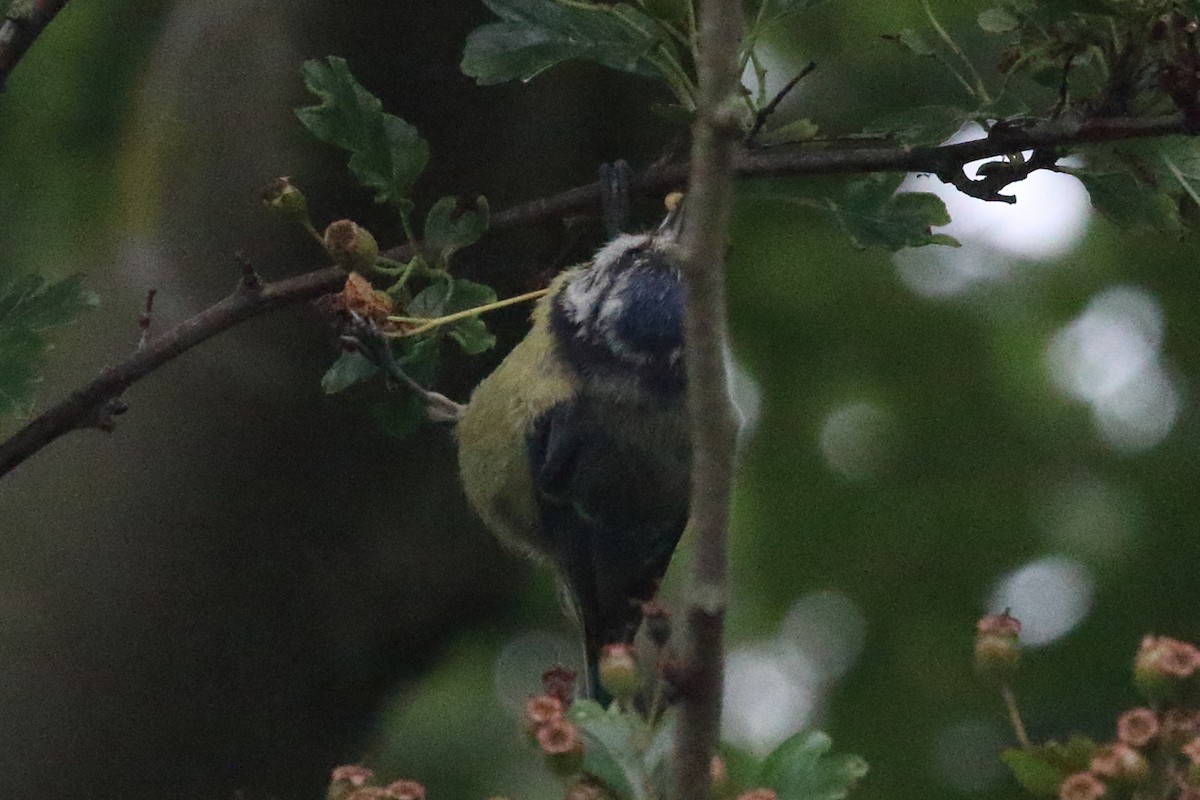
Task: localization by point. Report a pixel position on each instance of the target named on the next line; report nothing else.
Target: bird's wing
(611, 512)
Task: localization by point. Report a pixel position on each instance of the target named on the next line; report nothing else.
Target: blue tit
(576, 450)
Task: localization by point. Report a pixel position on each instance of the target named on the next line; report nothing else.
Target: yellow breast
(493, 428)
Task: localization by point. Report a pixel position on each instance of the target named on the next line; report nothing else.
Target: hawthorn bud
(285, 199)
(559, 740)
(345, 779)
(405, 790)
(1081, 786)
(350, 245)
(541, 710)
(997, 646)
(559, 681)
(1162, 665)
(1137, 727)
(1120, 762)
(618, 670)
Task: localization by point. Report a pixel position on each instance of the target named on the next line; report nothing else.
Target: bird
(576, 450)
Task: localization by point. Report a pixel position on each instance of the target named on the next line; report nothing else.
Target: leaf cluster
(387, 155)
(30, 307)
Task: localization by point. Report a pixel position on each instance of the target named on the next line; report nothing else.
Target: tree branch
(92, 404)
(25, 21)
(707, 210)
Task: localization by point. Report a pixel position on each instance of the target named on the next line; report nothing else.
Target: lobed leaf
(449, 226)
(29, 308)
(611, 748)
(1041, 769)
(534, 35)
(873, 214)
(803, 768)
(386, 153)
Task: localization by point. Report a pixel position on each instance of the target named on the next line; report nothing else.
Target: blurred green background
(246, 584)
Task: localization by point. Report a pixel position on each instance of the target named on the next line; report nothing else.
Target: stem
(1014, 715)
(425, 324)
(312, 231)
(980, 89)
(702, 264)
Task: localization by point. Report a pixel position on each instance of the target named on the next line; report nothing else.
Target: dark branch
(945, 161)
(25, 21)
(95, 404)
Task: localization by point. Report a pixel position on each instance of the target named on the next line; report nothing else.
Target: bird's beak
(672, 225)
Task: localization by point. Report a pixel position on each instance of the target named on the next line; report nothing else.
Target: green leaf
(997, 20)
(1040, 769)
(401, 413)
(1125, 200)
(914, 42)
(29, 308)
(610, 748)
(802, 768)
(451, 226)
(386, 153)
(875, 216)
(775, 10)
(449, 297)
(798, 130)
(535, 35)
(925, 125)
(350, 368)
(657, 758)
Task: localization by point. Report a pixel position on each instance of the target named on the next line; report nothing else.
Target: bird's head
(618, 322)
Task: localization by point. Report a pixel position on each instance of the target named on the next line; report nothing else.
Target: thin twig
(1014, 715)
(92, 404)
(24, 23)
(764, 113)
(707, 212)
(82, 407)
(146, 318)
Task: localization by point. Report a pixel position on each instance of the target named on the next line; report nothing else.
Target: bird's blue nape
(622, 321)
(651, 317)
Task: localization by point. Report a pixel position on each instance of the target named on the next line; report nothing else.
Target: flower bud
(618, 670)
(540, 710)
(1120, 762)
(1137, 727)
(1081, 786)
(405, 790)
(559, 682)
(285, 199)
(345, 779)
(560, 741)
(350, 245)
(997, 646)
(1178, 727)
(1162, 665)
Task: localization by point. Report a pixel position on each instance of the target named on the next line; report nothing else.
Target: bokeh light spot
(1109, 357)
(1050, 596)
(858, 440)
(520, 663)
(829, 629)
(770, 693)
